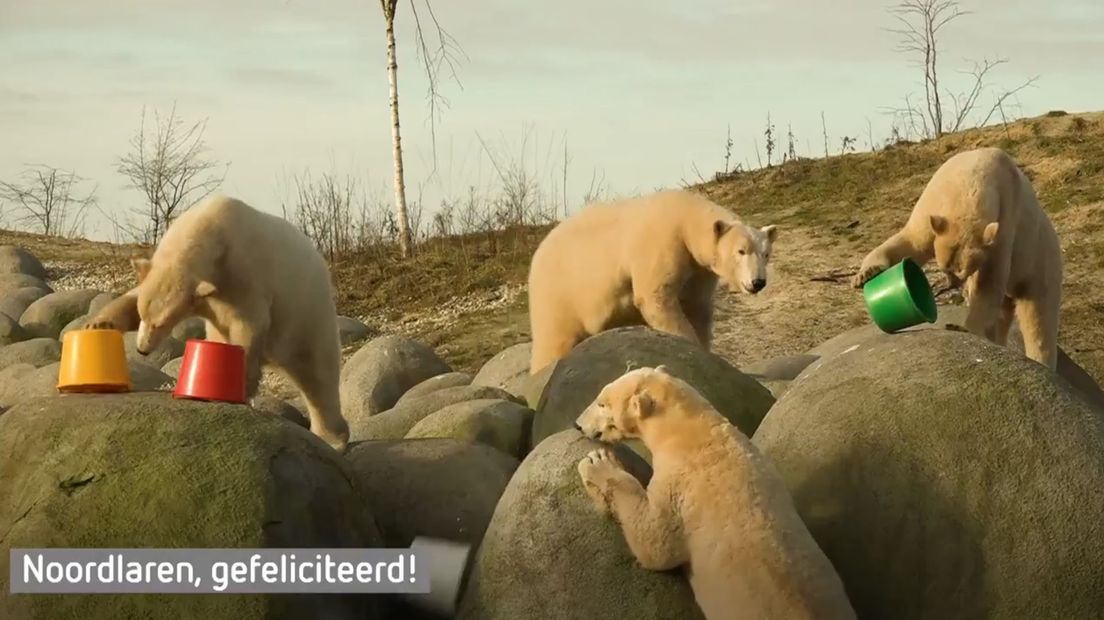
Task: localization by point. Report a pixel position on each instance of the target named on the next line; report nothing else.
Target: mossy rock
(501, 424)
(548, 553)
(597, 361)
(37, 352)
(15, 303)
(145, 470)
(48, 315)
(378, 374)
(396, 422)
(432, 384)
(441, 488)
(853, 339)
(946, 477)
(169, 349)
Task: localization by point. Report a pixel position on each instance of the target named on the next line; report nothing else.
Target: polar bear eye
(742, 252)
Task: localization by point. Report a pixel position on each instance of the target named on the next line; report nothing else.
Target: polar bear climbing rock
(260, 284)
(652, 261)
(980, 219)
(714, 502)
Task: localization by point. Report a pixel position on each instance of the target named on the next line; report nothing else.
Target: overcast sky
(641, 90)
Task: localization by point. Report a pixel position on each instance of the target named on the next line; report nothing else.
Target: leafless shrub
(47, 200)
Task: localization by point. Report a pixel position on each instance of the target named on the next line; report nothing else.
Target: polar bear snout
(758, 284)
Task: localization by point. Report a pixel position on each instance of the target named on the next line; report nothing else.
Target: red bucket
(212, 371)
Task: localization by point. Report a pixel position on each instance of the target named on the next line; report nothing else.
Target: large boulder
(441, 488)
(946, 477)
(854, 339)
(145, 470)
(172, 367)
(532, 387)
(432, 384)
(10, 331)
(12, 380)
(351, 331)
(37, 352)
(280, 408)
(396, 422)
(46, 317)
(99, 301)
(77, 323)
(776, 373)
(15, 303)
(501, 424)
(506, 369)
(374, 378)
(42, 382)
(11, 282)
(169, 349)
(595, 362)
(548, 553)
(14, 259)
(191, 328)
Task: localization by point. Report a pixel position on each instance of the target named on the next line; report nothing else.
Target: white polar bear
(714, 502)
(260, 284)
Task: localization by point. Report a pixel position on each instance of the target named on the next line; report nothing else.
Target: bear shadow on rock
(594, 363)
(946, 477)
(548, 553)
(149, 471)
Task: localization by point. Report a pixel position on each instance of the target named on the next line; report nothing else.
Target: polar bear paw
(598, 470)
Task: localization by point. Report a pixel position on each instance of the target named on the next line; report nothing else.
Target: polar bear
(120, 313)
(259, 283)
(714, 503)
(980, 219)
(653, 260)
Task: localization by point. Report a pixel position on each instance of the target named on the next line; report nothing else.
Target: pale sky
(642, 90)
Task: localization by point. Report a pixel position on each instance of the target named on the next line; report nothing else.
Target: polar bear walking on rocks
(980, 219)
(653, 261)
(259, 283)
(714, 503)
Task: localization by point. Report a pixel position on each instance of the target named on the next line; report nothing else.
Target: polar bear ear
(661, 369)
(720, 227)
(771, 232)
(204, 288)
(938, 224)
(141, 267)
(989, 235)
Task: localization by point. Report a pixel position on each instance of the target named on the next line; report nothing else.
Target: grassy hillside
(465, 296)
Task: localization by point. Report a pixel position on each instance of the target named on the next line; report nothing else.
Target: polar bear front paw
(866, 274)
(597, 470)
(100, 325)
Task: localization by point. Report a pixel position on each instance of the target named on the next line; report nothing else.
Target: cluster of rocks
(942, 475)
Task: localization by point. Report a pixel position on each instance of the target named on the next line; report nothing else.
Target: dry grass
(465, 295)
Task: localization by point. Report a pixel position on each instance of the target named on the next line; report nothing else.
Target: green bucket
(900, 297)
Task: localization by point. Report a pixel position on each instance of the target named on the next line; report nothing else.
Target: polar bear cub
(714, 502)
(980, 219)
(259, 283)
(653, 260)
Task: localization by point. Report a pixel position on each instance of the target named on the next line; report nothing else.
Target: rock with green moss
(501, 424)
(946, 477)
(145, 470)
(396, 422)
(955, 315)
(597, 361)
(441, 488)
(432, 384)
(47, 316)
(548, 553)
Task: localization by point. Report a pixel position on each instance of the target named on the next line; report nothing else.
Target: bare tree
(443, 56)
(920, 23)
(48, 200)
(169, 166)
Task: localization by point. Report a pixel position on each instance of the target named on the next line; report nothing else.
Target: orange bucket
(93, 360)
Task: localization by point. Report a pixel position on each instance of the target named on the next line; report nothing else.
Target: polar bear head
(167, 294)
(631, 402)
(742, 253)
(961, 248)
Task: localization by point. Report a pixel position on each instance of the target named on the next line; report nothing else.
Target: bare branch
(171, 170)
(48, 200)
